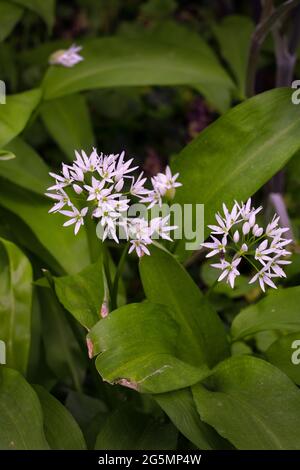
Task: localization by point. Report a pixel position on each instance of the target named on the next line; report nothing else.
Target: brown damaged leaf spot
(90, 348)
(128, 384)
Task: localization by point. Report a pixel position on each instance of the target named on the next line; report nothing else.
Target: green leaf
(82, 294)
(252, 404)
(28, 170)
(45, 9)
(278, 311)
(181, 409)
(138, 346)
(283, 352)
(61, 430)
(15, 113)
(63, 354)
(234, 37)
(9, 17)
(21, 414)
(68, 122)
(15, 304)
(59, 241)
(164, 56)
(227, 161)
(139, 431)
(202, 337)
(5, 155)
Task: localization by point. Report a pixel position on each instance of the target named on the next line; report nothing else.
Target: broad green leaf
(139, 431)
(181, 409)
(252, 404)
(229, 159)
(278, 311)
(28, 170)
(285, 354)
(5, 155)
(202, 337)
(68, 122)
(9, 16)
(44, 8)
(82, 294)
(61, 430)
(15, 114)
(63, 354)
(138, 348)
(165, 56)
(21, 414)
(234, 37)
(15, 304)
(71, 252)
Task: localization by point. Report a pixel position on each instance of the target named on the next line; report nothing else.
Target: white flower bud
(251, 220)
(244, 248)
(246, 228)
(236, 236)
(257, 231)
(119, 185)
(78, 189)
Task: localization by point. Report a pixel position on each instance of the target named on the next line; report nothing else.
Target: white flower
(140, 230)
(96, 191)
(216, 246)
(225, 223)
(62, 199)
(140, 234)
(76, 217)
(61, 180)
(273, 230)
(85, 163)
(159, 226)
(122, 168)
(263, 277)
(107, 168)
(140, 248)
(165, 183)
(246, 211)
(262, 252)
(229, 270)
(68, 57)
(137, 186)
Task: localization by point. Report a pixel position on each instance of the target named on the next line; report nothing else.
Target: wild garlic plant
(237, 236)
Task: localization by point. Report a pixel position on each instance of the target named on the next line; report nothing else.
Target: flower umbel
(102, 187)
(242, 238)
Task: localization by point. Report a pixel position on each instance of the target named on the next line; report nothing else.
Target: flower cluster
(67, 58)
(103, 187)
(237, 236)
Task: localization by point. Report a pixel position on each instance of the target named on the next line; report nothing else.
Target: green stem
(211, 288)
(114, 292)
(250, 262)
(107, 273)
